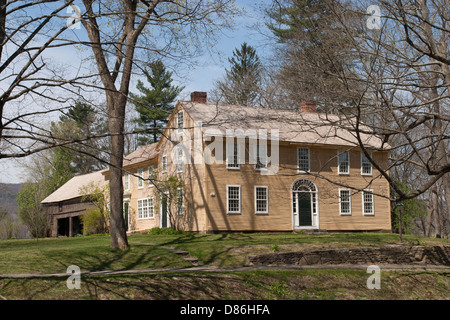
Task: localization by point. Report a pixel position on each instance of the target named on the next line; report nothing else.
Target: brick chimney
(198, 96)
(308, 106)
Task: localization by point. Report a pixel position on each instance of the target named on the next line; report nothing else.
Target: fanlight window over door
(304, 204)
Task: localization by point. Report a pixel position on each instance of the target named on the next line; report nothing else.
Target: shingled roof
(141, 154)
(72, 188)
(293, 126)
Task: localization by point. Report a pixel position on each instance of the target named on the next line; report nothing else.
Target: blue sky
(248, 28)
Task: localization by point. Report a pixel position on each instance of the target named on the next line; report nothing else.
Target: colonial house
(233, 168)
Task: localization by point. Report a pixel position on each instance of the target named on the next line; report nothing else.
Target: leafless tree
(118, 36)
(394, 82)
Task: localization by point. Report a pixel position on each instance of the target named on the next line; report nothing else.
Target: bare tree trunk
(116, 126)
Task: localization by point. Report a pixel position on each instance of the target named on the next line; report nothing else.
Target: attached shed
(64, 207)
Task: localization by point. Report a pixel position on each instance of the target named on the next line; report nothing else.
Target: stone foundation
(387, 255)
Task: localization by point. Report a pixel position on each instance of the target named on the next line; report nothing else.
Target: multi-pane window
(366, 165)
(261, 200)
(151, 176)
(343, 162)
(140, 174)
(261, 156)
(180, 196)
(234, 199)
(345, 202)
(232, 153)
(303, 159)
(180, 120)
(179, 159)
(164, 163)
(368, 208)
(126, 181)
(145, 208)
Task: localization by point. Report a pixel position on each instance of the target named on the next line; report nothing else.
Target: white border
(238, 155)
(267, 200)
(338, 165)
(371, 166)
(126, 177)
(309, 160)
(240, 200)
(179, 148)
(182, 197)
(148, 208)
(140, 178)
(373, 203)
(350, 200)
(314, 215)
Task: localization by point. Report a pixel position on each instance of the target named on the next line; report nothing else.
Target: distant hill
(8, 194)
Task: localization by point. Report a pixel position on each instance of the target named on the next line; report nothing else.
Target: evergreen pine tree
(241, 83)
(156, 102)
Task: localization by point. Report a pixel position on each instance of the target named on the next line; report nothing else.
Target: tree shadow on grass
(113, 259)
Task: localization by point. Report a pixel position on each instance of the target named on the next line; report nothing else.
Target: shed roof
(293, 126)
(71, 189)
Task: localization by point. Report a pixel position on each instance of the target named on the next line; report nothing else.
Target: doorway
(304, 205)
(164, 211)
(126, 214)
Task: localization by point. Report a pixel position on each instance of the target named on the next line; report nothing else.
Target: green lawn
(90, 253)
(93, 253)
(312, 284)
(230, 249)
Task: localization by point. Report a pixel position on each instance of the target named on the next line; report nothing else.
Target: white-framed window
(145, 208)
(180, 201)
(164, 163)
(261, 156)
(151, 176)
(343, 162)
(180, 120)
(232, 152)
(303, 160)
(140, 178)
(234, 199)
(366, 165)
(261, 199)
(368, 205)
(345, 202)
(179, 159)
(126, 181)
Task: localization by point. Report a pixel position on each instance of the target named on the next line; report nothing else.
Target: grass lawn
(93, 253)
(230, 249)
(311, 284)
